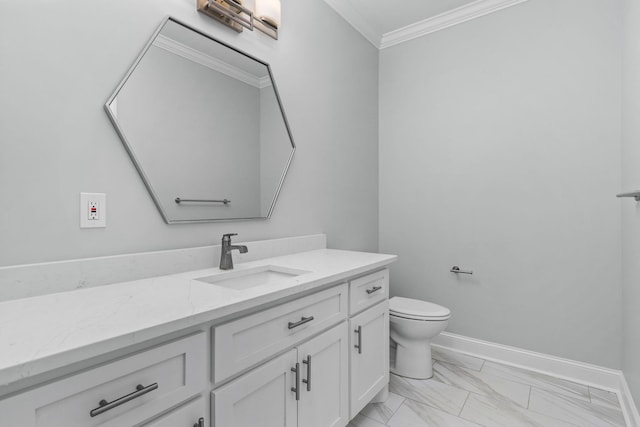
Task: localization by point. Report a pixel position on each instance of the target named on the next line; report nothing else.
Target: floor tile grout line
(546, 383)
(573, 398)
(529, 410)
(461, 364)
(397, 409)
(539, 373)
(568, 393)
(420, 402)
(464, 403)
(558, 418)
(469, 393)
(518, 367)
(446, 362)
(490, 387)
(437, 408)
(364, 415)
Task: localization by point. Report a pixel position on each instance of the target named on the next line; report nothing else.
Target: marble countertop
(44, 333)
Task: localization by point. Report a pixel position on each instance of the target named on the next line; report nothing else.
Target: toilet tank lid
(416, 307)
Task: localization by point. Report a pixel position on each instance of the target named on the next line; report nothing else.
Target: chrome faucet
(226, 262)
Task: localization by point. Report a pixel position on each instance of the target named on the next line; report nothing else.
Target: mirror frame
(138, 165)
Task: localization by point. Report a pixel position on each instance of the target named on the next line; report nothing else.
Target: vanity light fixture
(236, 16)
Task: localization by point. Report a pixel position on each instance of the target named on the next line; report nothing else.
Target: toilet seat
(412, 309)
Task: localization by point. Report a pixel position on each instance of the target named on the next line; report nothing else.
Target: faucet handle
(228, 236)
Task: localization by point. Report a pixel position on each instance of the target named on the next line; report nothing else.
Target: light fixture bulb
(269, 12)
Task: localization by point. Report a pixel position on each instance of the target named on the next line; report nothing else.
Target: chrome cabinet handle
(374, 289)
(359, 345)
(296, 389)
(302, 321)
(200, 423)
(307, 362)
(107, 406)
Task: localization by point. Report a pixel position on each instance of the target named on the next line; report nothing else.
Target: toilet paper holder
(457, 270)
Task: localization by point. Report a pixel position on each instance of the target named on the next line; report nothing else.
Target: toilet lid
(414, 308)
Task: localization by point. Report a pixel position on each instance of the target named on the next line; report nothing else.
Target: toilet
(413, 324)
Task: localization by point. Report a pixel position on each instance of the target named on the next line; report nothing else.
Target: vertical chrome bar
(296, 389)
(307, 362)
(359, 345)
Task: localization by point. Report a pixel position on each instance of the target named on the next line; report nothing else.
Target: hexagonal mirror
(204, 125)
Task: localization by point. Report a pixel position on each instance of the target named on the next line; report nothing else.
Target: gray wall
(500, 152)
(631, 209)
(60, 62)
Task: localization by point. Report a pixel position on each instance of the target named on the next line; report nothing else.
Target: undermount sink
(251, 278)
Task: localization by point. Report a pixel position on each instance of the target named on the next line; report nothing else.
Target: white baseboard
(579, 372)
(629, 408)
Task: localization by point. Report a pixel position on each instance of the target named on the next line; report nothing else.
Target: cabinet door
(187, 415)
(369, 354)
(261, 397)
(324, 363)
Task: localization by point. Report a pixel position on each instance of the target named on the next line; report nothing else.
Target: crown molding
(349, 14)
(444, 20)
(211, 62)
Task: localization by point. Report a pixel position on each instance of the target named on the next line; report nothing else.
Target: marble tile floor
(469, 392)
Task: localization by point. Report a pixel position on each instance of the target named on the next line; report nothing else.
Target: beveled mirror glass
(204, 126)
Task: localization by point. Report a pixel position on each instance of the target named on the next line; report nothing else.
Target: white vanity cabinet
(125, 392)
(323, 381)
(312, 357)
(284, 392)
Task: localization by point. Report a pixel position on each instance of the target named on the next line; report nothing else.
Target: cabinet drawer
(245, 342)
(188, 415)
(368, 290)
(124, 392)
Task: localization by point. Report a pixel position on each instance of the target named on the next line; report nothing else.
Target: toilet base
(414, 362)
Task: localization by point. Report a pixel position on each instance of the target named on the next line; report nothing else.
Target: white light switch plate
(93, 210)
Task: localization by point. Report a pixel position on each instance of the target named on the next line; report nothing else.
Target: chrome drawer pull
(200, 423)
(296, 389)
(302, 321)
(107, 406)
(307, 362)
(359, 345)
(374, 289)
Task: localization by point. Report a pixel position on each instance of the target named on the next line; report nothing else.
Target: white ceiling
(387, 22)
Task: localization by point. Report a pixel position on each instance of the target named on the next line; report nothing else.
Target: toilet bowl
(413, 324)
